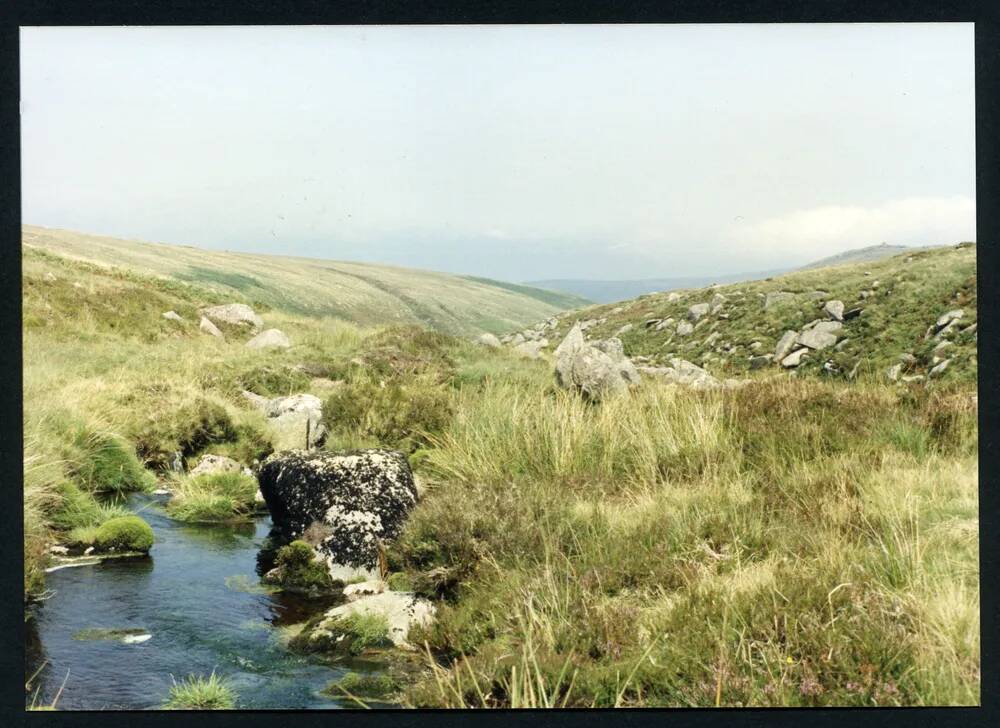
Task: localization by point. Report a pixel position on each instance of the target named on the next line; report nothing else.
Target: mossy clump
(362, 632)
(127, 533)
(201, 693)
(297, 569)
(399, 581)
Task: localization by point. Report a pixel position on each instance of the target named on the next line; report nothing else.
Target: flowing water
(199, 600)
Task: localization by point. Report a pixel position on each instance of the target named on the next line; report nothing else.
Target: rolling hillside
(892, 307)
(365, 294)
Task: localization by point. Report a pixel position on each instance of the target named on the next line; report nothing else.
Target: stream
(198, 598)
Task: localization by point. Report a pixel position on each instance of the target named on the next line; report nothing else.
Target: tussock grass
(196, 692)
(774, 545)
(213, 498)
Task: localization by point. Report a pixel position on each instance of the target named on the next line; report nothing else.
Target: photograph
(461, 366)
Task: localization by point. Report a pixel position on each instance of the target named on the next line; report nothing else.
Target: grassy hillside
(900, 298)
(800, 541)
(361, 293)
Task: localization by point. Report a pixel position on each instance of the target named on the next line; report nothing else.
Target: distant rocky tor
(906, 318)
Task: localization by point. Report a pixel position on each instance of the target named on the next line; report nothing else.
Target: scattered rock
(400, 610)
(270, 339)
(673, 296)
(776, 297)
(835, 310)
(488, 340)
(664, 324)
(794, 359)
(913, 378)
(624, 329)
(852, 313)
(531, 349)
(684, 328)
(759, 362)
(360, 590)
(363, 497)
(698, 310)
(939, 368)
(235, 314)
(894, 371)
(173, 316)
(785, 344)
(595, 370)
(209, 328)
(717, 302)
(908, 360)
(946, 318)
(683, 372)
(816, 338)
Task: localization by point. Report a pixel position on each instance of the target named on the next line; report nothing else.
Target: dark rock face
(363, 496)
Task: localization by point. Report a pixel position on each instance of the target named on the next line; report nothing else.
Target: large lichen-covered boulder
(362, 497)
(596, 370)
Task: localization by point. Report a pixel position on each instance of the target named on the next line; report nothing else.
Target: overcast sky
(512, 152)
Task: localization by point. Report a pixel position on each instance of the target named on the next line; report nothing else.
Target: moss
(356, 685)
(127, 533)
(297, 569)
(363, 632)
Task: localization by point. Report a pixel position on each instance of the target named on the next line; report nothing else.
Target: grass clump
(213, 498)
(125, 533)
(391, 414)
(102, 462)
(358, 686)
(363, 631)
(187, 428)
(201, 693)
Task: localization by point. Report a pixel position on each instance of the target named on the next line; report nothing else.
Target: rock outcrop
(287, 418)
(595, 370)
(361, 497)
(488, 340)
(234, 314)
(210, 464)
(207, 327)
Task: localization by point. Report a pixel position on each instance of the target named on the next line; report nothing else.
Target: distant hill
(862, 255)
(600, 291)
(363, 293)
(610, 291)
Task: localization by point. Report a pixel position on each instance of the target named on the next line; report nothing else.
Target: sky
(514, 152)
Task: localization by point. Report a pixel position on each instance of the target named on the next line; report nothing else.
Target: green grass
(674, 548)
(201, 693)
(909, 298)
(213, 498)
(800, 541)
(299, 569)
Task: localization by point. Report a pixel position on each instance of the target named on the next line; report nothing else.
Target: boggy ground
(797, 541)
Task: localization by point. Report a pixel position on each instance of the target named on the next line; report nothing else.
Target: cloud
(817, 231)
